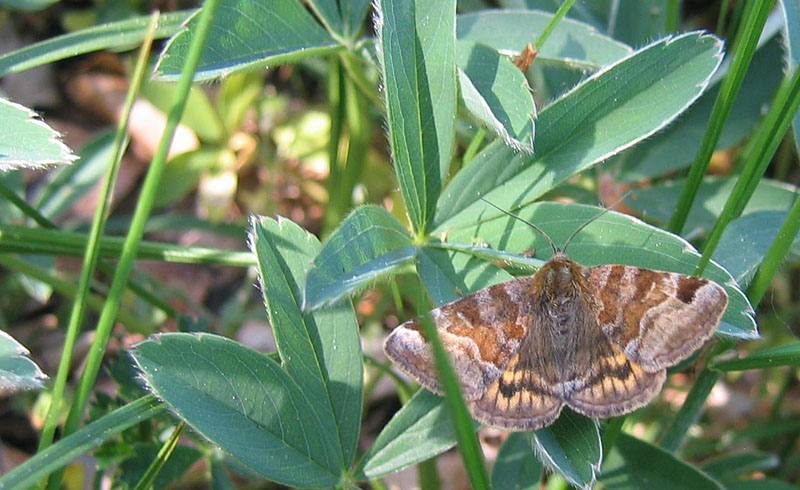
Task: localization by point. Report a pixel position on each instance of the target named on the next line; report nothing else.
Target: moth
(596, 339)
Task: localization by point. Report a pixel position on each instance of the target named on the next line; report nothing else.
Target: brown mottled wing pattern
(481, 332)
(520, 399)
(656, 318)
(598, 340)
(612, 384)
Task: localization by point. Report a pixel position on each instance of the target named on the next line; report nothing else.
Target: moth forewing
(657, 318)
(480, 332)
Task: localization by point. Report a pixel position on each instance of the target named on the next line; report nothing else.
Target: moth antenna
(593, 218)
(541, 231)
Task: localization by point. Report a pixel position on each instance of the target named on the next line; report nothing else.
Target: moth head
(562, 277)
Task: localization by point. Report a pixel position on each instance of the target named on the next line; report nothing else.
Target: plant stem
(91, 255)
(560, 13)
(775, 255)
(746, 41)
(765, 143)
(145, 204)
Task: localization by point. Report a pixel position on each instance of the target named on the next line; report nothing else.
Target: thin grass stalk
(765, 143)
(335, 93)
(610, 433)
(739, 9)
(468, 444)
(673, 18)
(352, 65)
(67, 288)
(145, 204)
(148, 479)
(692, 407)
(134, 285)
(744, 46)
(359, 131)
(23, 206)
(787, 101)
(377, 485)
(474, 145)
(690, 410)
(352, 146)
(428, 475)
(722, 17)
(67, 449)
(560, 13)
(20, 239)
(776, 254)
(91, 255)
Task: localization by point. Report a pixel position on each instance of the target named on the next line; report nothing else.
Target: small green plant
(607, 99)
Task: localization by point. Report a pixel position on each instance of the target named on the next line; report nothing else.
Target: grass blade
(755, 16)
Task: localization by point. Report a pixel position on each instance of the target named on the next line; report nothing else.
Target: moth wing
(520, 399)
(656, 318)
(481, 332)
(614, 384)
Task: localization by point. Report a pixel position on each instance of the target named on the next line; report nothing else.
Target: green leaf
(67, 449)
(496, 93)
(266, 33)
(573, 43)
(659, 201)
(613, 238)
(597, 119)
(389, 264)
(369, 244)
(635, 464)
(782, 355)
(418, 431)
(449, 275)
(572, 446)
(125, 34)
(320, 351)
(636, 22)
(585, 12)
(745, 243)
(675, 147)
(26, 141)
(417, 53)
(791, 40)
(516, 468)
(731, 466)
(244, 402)
(71, 182)
(17, 371)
